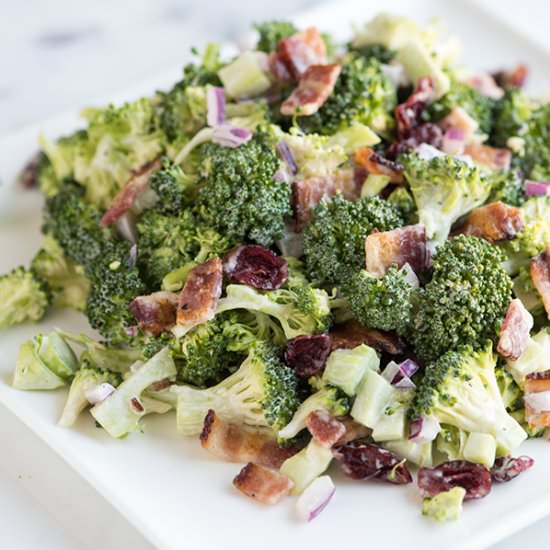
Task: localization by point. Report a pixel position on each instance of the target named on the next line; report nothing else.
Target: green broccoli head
(511, 116)
(334, 239)
(535, 158)
(240, 195)
(378, 51)
(444, 189)
(175, 189)
(464, 303)
(362, 94)
(403, 200)
(24, 296)
(262, 392)
(535, 235)
(506, 186)
(460, 389)
(382, 303)
(270, 32)
(512, 395)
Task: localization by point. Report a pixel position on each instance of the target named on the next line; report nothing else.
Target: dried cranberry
(28, 177)
(474, 478)
(424, 133)
(507, 468)
(307, 355)
(360, 460)
(255, 266)
(409, 114)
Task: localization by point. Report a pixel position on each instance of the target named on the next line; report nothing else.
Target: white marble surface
(61, 54)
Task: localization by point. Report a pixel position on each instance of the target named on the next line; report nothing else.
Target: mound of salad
(314, 253)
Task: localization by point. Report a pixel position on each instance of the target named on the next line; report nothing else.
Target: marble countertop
(61, 54)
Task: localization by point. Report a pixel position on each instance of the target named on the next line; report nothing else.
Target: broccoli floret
(525, 290)
(334, 239)
(403, 200)
(175, 189)
(240, 196)
(328, 398)
(445, 506)
(362, 94)
(533, 359)
(460, 389)
(511, 393)
(511, 116)
(378, 51)
(464, 303)
(535, 159)
(117, 140)
(382, 303)
(506, 186)
(444, 189)
(478, 106)
(271, 32)
(66, 280)
(46, 179)
(24, 296)
(535, 235)
(262, 392)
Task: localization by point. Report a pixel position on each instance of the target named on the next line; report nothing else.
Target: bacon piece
(458, 118)
(515, 77)
(354, 431)
(155, 313)
(301, 50)
(514, 333)
(493, 222)
(377, 164)
(404, 245)
(235, 443)
(307, 193)
(200, 294)
(409, 114)
(314, 88)
(351, 334)
(265, 486)
(537, 382)
(540, 274)
(494, 158)
(278, 68)
(324, 428)
(485, 84)
(130, 192)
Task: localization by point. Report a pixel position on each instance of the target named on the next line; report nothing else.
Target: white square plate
(168, 487)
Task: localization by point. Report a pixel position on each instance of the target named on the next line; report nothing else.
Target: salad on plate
(318, 255)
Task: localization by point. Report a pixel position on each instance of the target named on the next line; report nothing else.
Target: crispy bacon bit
(130, 192)
(514, 333)
(200, 294)
(405, 245)
(307, 193)
(458, 118)
(409, 113)
(301, 50)
(155, 313)
(537, 382)
(540, 274)
(352, 334)
(265, 486)
(485, 84)
(278, 68)
(377, 164)
(493, 158)
(324, 428)
(354, 431)
(515, 77)
(314, 88)
(237, 443)
(494, 222)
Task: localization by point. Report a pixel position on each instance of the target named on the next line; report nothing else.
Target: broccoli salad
(315, 255)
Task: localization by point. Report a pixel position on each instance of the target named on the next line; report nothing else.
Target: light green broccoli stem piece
(533, 359)
(445, 506)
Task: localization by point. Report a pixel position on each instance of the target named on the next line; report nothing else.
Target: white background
(60, 54)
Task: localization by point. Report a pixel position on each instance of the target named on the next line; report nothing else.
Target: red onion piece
(228, 135)
(453, 141)
(126, 227)
(99, 393)
(399, 375)
(409, 367)
(424, 429)
(315, 498)
(410, 275)
(288, 157)
(215, 102)
(536, 188)
(132, 258)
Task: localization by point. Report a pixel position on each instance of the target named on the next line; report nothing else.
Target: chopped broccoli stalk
(511, 393)
(244, 77)
(353, 138)
(334, 240)
(121, 412)
(392, 423)
(446, 506)
(24, 296)
(374, 184)
(535, 235)
(511, 116)
(305, 466)
(271, 32)
(464, 303)
(87, 378)
(480, 448)
(262, 392)
(451, 441)
(382, 303)
(444, 189)
(533, 359)
(417, 453)
(375, 392)
(506, 187)
(58, 356)
(460, 389)
(328, 398)
(346, 368)
(525, 290)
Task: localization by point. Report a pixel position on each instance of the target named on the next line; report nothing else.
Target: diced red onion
(288, 157)
(315, 498)
(399, 375)
(228, 135)
(453, 141)
(536, 188)
(409, 367)
(428, 152)
(539, 402)
(99, 393)
(424, 429)
(215, 102)
(132, 259)
(126, 227)
(132, 331)
(410, 275)
(282, 176)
